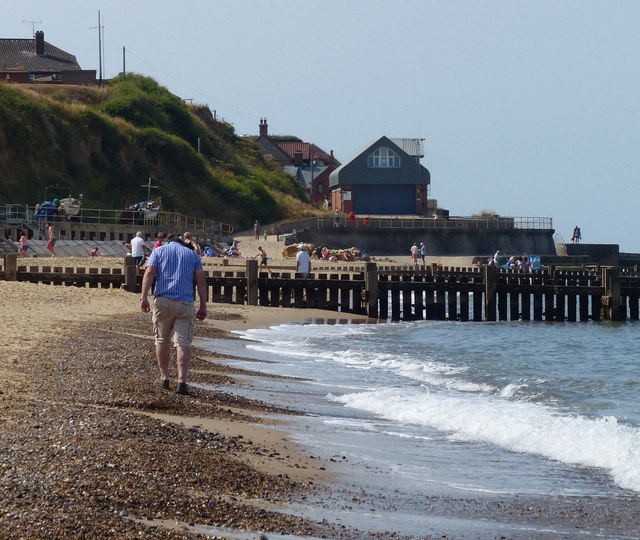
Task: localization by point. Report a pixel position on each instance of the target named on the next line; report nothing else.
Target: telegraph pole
(99, 27)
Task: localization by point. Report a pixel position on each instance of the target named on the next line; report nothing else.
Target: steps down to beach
(248, 245)
(78, 248)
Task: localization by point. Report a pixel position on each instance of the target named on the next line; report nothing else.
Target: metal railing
(20, 213)
(402, 222)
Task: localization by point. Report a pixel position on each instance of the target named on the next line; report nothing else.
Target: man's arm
(201, 287)
(147, 281)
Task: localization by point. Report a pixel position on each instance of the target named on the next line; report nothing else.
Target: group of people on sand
(139, 250)
(323, 253)
(419, 252)
(522, 262)
(23, 241)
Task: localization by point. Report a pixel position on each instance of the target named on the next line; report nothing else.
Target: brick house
(308, 163)
(386, 177)
(36, 61)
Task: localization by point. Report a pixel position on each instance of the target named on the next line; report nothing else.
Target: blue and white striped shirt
(175, 267)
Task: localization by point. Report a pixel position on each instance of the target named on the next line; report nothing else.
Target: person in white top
(138, 249)
(303, 261)
(414, 253)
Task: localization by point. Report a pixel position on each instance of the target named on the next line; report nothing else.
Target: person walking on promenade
(51, 236)
(414, 253)
(336, 219)
(175, 268)
(577, 235)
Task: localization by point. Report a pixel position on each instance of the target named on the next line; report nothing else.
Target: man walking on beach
(175, 268)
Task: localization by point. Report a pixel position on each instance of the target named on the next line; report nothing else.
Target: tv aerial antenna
(33, 26)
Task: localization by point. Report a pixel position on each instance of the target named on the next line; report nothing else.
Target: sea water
(506, 407)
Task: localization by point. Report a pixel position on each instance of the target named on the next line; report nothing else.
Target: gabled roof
(305, 174)
(334, 179)
(20, 54)
(292, 148)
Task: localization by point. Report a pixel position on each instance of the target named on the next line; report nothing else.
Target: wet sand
(91, 446)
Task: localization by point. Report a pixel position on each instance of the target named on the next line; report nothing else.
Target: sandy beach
(93, 447)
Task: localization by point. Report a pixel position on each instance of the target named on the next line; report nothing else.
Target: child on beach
(263, 257)
(24, 245)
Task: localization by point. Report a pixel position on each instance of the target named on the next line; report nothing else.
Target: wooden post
(371, 289)
(130, 275)
(252, 282)
(11, 266)
(490, 288)
(407, 298)
(613, 304)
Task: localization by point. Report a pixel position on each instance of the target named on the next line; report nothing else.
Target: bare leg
(163, 353)
(183, 361)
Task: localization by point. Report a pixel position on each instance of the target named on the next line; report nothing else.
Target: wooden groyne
(393, 293)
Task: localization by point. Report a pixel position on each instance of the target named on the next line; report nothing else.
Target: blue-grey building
(386, 177)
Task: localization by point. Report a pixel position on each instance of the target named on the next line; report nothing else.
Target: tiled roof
(21, 54)
(291, 148)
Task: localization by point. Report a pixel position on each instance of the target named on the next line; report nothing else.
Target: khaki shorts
(173, 319)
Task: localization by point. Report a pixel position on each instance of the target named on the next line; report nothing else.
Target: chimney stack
(264, 128)
(39, 42)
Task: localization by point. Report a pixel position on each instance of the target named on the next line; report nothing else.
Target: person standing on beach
(190, 242)
(160, 240)
(23, 242)
(51, 236)
(303, 261)
(138, 250)
(256, 230)
(175, 269)
(423, 254)
(414, 253)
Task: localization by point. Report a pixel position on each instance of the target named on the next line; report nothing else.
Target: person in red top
(352, 217)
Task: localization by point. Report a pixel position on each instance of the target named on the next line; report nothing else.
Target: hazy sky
(528, 108)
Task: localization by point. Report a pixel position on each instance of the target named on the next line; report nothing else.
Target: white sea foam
(466, 382)
(309, 342)
(516, 426)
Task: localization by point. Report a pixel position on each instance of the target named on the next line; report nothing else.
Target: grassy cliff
(106, 142)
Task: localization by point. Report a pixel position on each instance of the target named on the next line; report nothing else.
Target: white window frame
(383, 158)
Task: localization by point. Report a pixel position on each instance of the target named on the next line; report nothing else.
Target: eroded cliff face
(105, 142)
